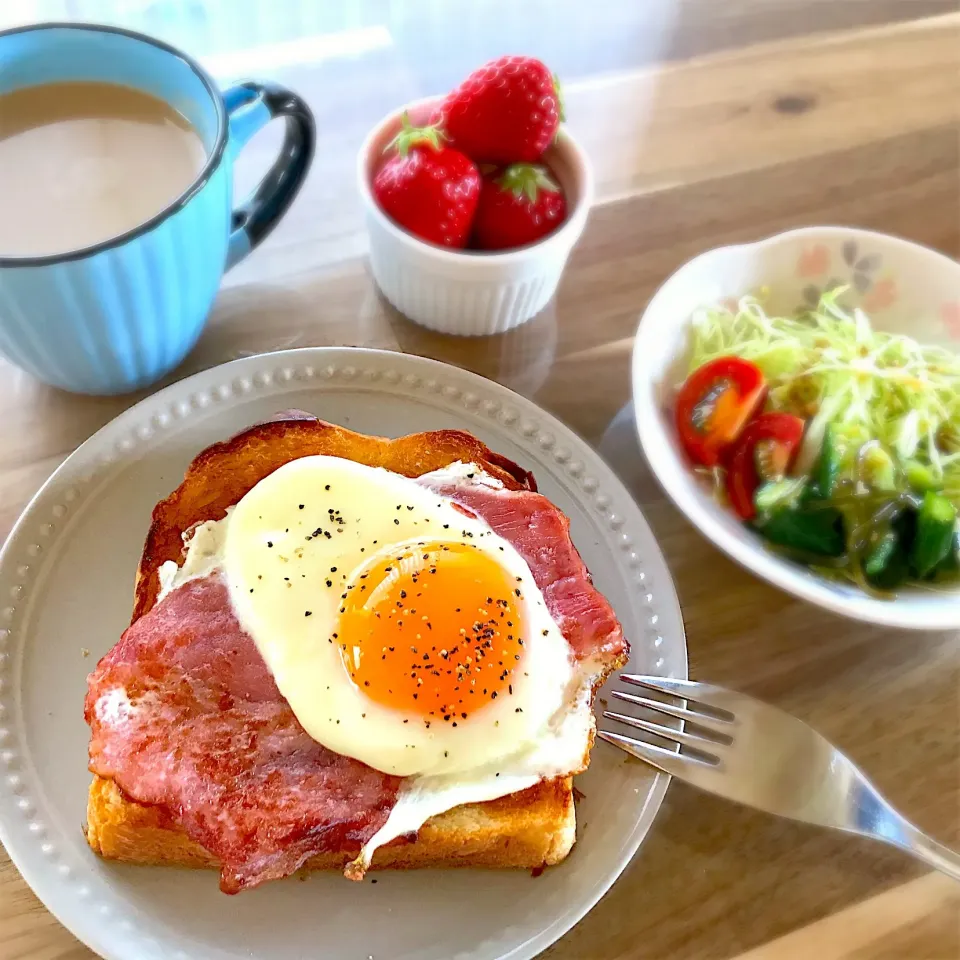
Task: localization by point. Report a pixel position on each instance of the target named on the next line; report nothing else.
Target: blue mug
(119, 315)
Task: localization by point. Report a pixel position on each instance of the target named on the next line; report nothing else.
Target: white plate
(66, 577)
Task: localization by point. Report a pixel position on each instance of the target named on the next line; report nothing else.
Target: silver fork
(758, 755)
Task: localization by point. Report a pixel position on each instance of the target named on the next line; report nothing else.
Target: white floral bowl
(902, 286)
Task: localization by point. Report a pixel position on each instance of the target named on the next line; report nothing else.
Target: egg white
(277, 567)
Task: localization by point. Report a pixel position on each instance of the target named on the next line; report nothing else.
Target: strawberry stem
(527, 180)
(411, 136)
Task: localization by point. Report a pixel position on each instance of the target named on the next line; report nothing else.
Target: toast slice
(532, 828)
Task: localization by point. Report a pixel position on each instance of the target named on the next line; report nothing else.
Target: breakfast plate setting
(104, 493)
(351, 652)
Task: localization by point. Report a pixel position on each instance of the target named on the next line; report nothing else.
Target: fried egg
(402, 632)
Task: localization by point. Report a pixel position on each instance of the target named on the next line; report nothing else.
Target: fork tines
(713, 722)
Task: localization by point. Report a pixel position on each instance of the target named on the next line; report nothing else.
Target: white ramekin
(465, 292)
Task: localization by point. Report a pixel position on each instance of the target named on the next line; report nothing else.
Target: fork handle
(931, 852)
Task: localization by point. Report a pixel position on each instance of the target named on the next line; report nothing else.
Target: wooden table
(708, 122)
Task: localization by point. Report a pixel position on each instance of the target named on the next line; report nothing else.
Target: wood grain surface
(708, 123)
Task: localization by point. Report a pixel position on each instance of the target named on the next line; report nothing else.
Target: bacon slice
(185, 716)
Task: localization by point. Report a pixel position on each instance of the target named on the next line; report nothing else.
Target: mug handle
(251, 105)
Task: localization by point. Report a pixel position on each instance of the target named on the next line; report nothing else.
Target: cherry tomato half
(714, 404)
(764, 451)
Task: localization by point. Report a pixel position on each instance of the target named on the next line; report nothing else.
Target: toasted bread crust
(529, 829)
(223, 473)
(532, 828)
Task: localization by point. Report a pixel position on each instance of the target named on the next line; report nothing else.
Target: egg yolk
(433, 630)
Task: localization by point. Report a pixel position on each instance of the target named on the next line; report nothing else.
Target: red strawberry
(518, 205)
(508, 111)
(428, 188)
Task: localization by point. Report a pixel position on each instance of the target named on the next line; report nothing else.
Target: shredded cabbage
(829, 366)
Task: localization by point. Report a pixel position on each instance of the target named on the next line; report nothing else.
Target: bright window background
(434, 39)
